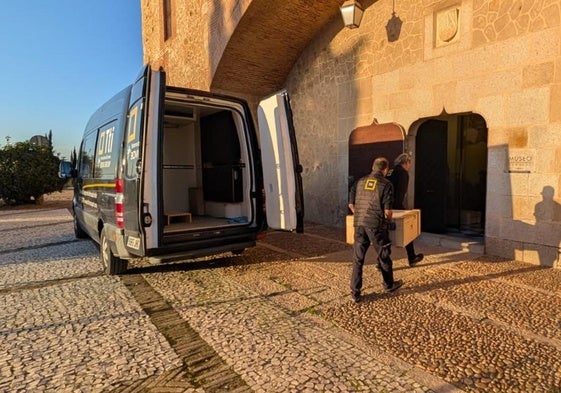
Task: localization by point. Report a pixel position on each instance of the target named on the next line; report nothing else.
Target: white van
(171, 173)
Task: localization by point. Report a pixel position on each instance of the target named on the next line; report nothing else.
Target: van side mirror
(65, 170)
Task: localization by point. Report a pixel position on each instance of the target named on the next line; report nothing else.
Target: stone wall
(183, 55)
(503, 63)
(500, 59)
(200, 31)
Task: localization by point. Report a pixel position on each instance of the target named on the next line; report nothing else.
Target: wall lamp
(351, 11)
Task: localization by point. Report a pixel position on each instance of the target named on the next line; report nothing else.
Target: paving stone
(279, 318)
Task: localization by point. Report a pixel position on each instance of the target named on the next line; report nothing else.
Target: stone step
(475, 245)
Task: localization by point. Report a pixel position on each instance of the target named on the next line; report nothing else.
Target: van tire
(112, 264)
(238, 252)
(78, 231)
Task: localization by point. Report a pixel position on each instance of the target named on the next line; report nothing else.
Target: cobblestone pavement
(276, 319)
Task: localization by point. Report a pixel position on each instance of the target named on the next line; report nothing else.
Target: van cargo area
(205, 168)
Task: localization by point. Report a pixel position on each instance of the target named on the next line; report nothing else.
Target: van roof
(111, 109)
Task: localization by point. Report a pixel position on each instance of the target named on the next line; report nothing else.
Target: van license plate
(133, 242)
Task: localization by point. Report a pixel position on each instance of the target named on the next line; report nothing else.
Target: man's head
(380, 164)
(404, 160)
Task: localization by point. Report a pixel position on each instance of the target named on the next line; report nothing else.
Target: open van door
(141, 207)
(282, 172)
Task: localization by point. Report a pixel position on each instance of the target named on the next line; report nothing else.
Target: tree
(27, 172)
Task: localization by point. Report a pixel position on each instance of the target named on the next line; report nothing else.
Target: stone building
(471, 88)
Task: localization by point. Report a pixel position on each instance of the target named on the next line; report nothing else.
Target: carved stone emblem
(447, 26)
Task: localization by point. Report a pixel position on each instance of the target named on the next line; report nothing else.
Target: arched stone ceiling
(267, 41)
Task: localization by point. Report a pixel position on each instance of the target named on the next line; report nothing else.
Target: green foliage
(27, 171)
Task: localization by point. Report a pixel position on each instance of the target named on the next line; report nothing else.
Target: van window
(87, 155)
(107, 152)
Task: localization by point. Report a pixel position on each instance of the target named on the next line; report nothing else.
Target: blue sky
(60, 60)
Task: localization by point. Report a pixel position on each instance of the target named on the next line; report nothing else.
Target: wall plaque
(521, 160)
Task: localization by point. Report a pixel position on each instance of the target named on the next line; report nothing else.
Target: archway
(369, 142)
(451, 174)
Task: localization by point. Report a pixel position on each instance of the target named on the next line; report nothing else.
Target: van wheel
(112, 264)
(78, 231)
(238, 252)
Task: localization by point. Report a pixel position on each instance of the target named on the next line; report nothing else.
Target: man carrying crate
(399, 176)
(370, 200)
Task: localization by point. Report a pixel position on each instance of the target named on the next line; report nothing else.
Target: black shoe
(396, 285)
(356, 298)
(418, 258)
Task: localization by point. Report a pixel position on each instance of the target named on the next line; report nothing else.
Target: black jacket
(400, 180)
(371, 195)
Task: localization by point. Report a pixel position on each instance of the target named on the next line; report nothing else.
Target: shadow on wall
(548, 227)
(538, 238)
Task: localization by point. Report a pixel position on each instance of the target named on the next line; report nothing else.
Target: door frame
(411, 148)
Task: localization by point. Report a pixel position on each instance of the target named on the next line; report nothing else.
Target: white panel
(179, 172)
(278, 167)
(176, 190)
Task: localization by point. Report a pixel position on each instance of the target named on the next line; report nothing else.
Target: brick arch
(268, 38)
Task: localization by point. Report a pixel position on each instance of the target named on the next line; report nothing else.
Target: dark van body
(171, 172)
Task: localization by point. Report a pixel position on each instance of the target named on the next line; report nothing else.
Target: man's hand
(352, 207)
(388, 213)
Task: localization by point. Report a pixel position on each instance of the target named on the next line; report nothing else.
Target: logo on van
(132, 126)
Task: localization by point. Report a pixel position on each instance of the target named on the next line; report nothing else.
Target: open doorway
(451, 174)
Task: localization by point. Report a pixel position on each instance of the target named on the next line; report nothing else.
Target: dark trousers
(410, 251)
(364, 237)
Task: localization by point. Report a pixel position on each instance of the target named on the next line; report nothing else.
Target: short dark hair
(380, 164)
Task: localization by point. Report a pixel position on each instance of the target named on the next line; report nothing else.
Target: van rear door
(282, 172)
(141, 207)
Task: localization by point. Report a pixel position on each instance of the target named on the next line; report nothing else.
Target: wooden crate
(407, 227)
(177, 217)
(407, 223)
(350, 229)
